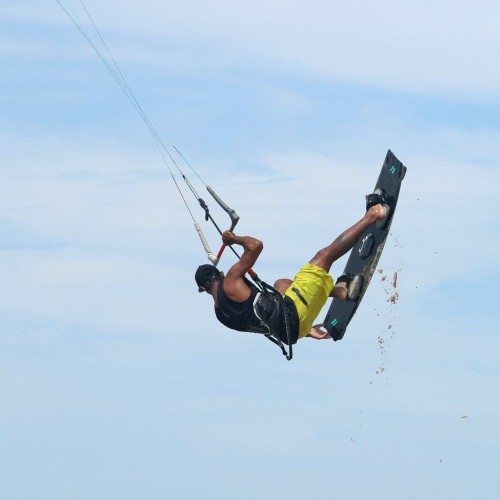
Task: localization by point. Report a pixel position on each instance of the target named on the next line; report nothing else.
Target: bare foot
(378, 212)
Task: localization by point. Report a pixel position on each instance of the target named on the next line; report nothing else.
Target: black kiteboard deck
(366, 252)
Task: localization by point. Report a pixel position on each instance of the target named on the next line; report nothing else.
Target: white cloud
(87, 243)
(444, 47)
(427, 46)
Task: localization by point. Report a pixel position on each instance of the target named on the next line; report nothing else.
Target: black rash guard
(239, 315)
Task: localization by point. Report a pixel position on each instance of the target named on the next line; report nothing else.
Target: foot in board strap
(378, 197)
(352, 283)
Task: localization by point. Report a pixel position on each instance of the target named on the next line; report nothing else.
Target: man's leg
(282, 284)
(328, 255)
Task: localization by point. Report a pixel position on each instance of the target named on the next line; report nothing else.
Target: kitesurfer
(240, 305)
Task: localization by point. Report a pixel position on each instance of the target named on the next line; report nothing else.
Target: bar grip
(231, 212)
(211, 257)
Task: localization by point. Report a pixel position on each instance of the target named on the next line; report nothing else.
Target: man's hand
(318, 333)
(228, 238)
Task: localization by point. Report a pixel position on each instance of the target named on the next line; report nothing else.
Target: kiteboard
(366, 252)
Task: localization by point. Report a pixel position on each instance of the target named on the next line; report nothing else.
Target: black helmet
(204, 274)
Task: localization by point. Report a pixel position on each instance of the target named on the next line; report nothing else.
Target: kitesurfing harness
(264, 312)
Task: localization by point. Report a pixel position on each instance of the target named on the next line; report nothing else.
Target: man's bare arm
(234, 285)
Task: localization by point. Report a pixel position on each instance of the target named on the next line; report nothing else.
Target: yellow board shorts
(314, 286)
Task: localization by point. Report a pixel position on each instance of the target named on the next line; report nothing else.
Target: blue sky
(116, 381)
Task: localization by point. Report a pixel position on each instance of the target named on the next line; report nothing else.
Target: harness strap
(279, 344)
(274, 337)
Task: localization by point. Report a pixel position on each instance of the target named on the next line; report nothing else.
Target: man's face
(208, 285)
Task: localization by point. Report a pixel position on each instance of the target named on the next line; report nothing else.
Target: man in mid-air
(241, 306)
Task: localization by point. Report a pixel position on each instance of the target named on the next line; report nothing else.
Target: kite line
(95, 39)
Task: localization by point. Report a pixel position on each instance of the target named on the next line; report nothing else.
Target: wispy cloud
(444, 48)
